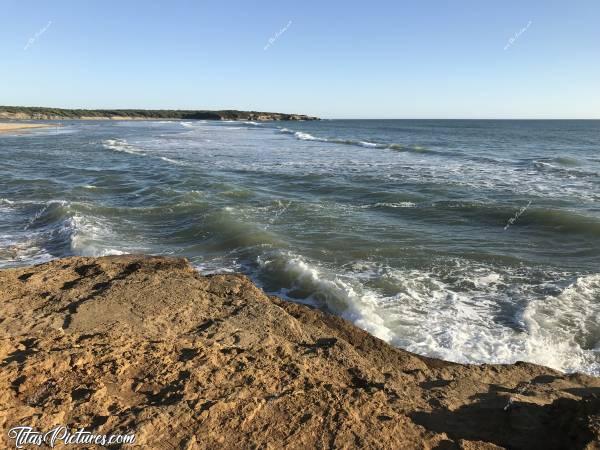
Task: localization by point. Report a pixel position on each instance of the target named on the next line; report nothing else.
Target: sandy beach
(9, 127)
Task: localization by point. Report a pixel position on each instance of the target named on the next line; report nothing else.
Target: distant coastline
(42, 113)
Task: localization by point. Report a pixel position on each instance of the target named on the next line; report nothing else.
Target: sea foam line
(303, 136)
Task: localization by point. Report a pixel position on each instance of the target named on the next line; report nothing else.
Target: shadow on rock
(563, 424)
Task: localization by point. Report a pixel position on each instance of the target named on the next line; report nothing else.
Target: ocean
(476, 241)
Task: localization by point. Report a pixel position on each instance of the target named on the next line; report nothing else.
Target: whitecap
(394, 205)
(367, 144)
(121, 145)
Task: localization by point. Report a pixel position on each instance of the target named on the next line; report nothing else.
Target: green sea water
(474, 241)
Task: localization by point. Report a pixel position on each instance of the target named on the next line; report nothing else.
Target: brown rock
(146, 345)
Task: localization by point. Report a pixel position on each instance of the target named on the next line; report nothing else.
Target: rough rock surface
(145, 344)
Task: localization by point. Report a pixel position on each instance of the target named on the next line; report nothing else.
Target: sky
(333, 59)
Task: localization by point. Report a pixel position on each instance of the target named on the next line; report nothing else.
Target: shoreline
(8, 127)
(146, 344)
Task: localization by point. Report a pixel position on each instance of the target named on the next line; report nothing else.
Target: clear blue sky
(337, 59)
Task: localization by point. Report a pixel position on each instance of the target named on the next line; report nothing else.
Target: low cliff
(147, 345)
(39, 113)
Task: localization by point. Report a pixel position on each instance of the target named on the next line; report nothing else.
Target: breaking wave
(303, 136)
(121, 145)
(457, 316)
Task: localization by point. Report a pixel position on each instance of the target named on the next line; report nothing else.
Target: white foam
(194, 124)
(430, 317)
(112, 251)
(172, 161)
(121, 145)
(90, 236)
(484, 281)
(15, 250)
(394, 205)
(367, 144)
(305, 136)
(564, 330)
(209, 269)
(327, 289)
(455, 320)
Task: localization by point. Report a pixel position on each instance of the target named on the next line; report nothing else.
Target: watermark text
(24, 435)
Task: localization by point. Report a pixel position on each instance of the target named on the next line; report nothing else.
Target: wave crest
(304, 136)
(121, 145)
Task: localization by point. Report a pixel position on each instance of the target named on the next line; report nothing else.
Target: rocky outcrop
(38, 113)
(147, 345)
